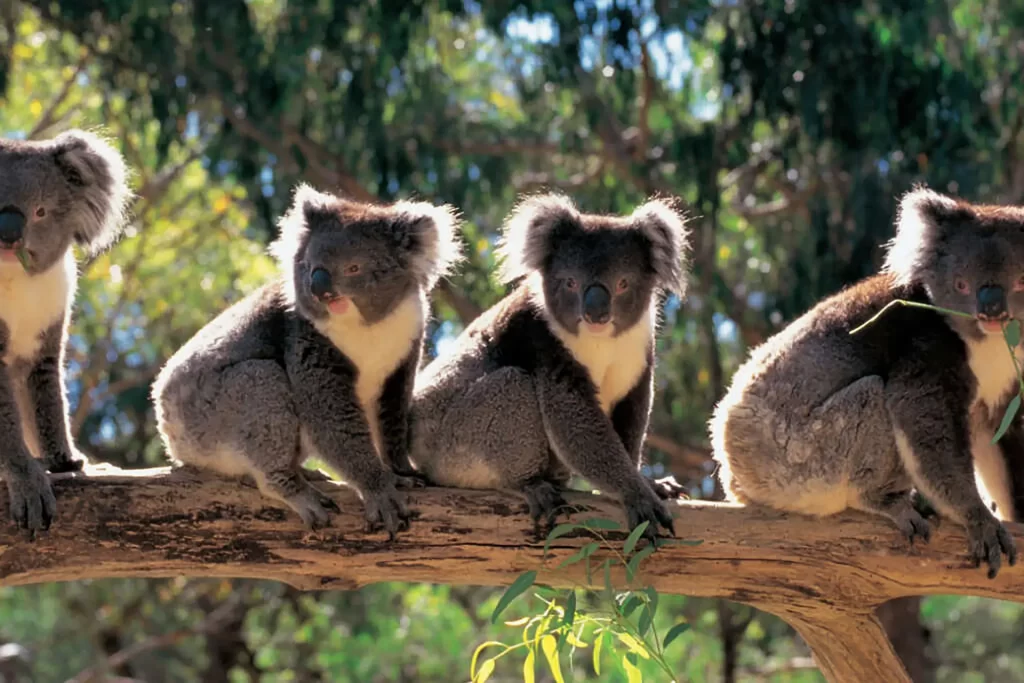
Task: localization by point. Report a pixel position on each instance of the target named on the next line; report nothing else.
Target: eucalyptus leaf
(524, 581)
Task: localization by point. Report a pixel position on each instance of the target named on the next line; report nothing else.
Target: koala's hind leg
(243, 422)
(838, 455)
(493, 437)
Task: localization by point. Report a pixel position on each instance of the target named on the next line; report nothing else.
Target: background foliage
(788, 126)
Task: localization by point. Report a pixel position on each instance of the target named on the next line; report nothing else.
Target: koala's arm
(46, 389)
(584, 439)
(395, 400)
(927, 405)
(632, 414)
(31, 497)
(324, 388)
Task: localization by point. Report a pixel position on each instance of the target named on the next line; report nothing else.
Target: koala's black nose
(12, 226)
(597, 305)
(991, 301)
(320, 283)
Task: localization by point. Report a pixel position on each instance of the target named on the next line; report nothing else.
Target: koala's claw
(314, 508)
(33, 505)
(649, 509)
(386, 510)
(65, 462)
(667, 488)
(988, 540)
(912, 525)
(411, 480)
(544, 501)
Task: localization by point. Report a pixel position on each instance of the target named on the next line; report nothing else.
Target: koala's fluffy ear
(531, 233)
(293, 226)
(97, 176)
(666, 231)
(430, 233)
(921, 219)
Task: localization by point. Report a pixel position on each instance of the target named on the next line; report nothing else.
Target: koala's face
(55, 192)
(979, 270)
(598, 274)
(599, 279)
(362, 260)
(969, 257)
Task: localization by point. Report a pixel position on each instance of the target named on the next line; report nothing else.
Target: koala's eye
(571, 284)
(41, 212)
(962, 286)
(352, 269)
(621, 286)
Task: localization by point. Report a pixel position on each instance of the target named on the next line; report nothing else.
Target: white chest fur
(377, 350)
(614, 363)
(993, 369)
(30, 304)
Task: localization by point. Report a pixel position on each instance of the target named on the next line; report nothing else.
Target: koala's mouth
(338, 305)
(598, 329)
(15, 253)
(992, 325)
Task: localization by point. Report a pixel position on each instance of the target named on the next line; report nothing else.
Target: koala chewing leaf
(818, 420)
(320, 363)
(55, 193)
(558, 376)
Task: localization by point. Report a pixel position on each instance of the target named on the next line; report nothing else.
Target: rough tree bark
(825, 578)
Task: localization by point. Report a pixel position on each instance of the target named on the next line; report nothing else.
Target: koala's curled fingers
(33, 505)
(65, 462)
(988, 539)
(544, 501)
(667, 488)
(411, 480)
(313, 507)
(912, 525)
(386, 509)
(646, 506)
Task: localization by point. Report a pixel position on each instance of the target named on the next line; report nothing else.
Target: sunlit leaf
(633, 644)
(486, 669)
(529, 666)
(596, 658)
(633, 674)
(550, 647)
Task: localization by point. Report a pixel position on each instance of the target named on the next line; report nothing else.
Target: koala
(558, 376)
(320, 362)
(54, 194)
(818, 420)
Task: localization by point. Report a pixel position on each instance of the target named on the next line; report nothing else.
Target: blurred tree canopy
(789, 127)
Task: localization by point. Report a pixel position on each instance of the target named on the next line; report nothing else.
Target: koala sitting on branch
(320, 363)
(558, 376)
(818, 420)
(53, 194)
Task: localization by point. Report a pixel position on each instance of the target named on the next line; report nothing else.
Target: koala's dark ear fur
(530, 234)
(430, 232)
(920, 221)
(666, 231)
(293, 226)
(97, 177)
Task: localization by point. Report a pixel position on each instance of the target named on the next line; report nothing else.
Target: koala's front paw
(70, 461)
(646, 506)
(544, 500)
(387, 509)
(667, 488)
(988, 539)
(313, 507)
(33, 505)
(411, 480)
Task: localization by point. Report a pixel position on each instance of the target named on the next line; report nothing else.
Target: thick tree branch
(825, 577)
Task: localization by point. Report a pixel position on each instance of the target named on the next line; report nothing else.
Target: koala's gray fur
(818, 420)
(529, 392)
(279, 377)
(69, 190)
